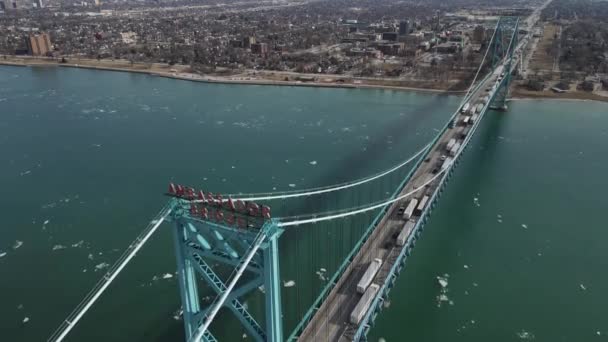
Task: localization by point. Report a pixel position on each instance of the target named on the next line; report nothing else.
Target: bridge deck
(331, 321)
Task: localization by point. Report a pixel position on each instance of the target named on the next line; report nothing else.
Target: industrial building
(38, 44)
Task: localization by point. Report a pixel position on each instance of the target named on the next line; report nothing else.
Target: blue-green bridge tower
(211, 232)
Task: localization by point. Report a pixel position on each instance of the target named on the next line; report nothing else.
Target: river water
(86, 156)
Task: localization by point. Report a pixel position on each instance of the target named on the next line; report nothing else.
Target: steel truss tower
(206, 245)
(503, 46)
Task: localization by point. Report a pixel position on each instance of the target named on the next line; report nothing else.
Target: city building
(259, 48)
(451, 47)
(457, 39)
(236, 43)
(392, 36)
(404, 27)
(479, 34)
(411, 51)
(38, 44)
(391, 49)
(248, 42)
(128, 38)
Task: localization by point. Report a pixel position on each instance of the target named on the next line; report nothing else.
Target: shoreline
(517, 93)
(569, 99)
(521, 94)
(219, 79)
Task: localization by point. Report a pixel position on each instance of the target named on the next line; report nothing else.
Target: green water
(92, 152)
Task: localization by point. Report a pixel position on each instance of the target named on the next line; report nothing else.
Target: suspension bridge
(239, 249)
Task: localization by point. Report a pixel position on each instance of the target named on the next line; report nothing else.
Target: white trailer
(479, 108)
(409, 211)
(363, 305)
(465, 107)
(450, 144)
(455, 149)
(446, 163)
(422, 204)
(474, 118)
(369, 275)
(405, 232)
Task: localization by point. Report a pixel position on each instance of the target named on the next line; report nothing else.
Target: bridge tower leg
(272, 286)
(504, 43)
(205, 248)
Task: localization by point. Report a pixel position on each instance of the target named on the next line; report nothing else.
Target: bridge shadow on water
(308, 249)
(377, 148)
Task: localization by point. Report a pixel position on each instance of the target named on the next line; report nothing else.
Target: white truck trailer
(369, 275)
(363, 305)
(409, 211)
(405, 232)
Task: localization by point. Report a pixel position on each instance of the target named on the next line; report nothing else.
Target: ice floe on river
(78, 244)
(442, 297)
(525, 335)
(101, 266)
(322, 273)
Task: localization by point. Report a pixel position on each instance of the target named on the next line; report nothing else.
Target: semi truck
(465, 107)
(405, 232)
(450, 144)
(455, 149)
(363, 305)
(369, 275)
(409, 211)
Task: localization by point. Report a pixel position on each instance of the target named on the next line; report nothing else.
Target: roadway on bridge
(331, 322)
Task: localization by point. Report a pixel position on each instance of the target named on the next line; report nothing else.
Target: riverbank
(247, 77)
(182, 72)
(520, 93)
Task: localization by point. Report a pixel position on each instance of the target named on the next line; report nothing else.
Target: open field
(543, 59)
